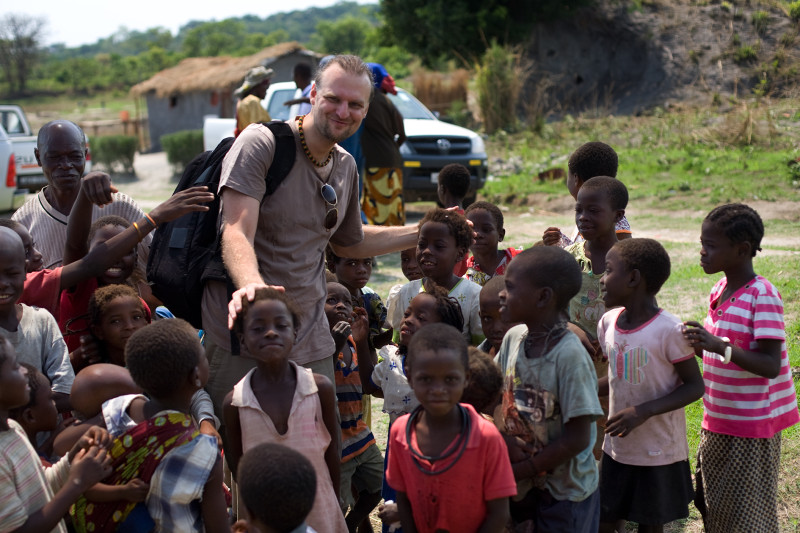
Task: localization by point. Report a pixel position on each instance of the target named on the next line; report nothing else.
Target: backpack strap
(283, 158)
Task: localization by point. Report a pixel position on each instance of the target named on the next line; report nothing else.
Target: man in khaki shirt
(279, 240)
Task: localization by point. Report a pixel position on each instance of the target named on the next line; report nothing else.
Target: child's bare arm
(406, 515)
(766, 362)
(602, 387)
(212, 506)
(233, 431)
(333, 455)
(360, 328)
(134, 490)
(96, 188)
(81, 264)
(365, 370)
(623, 422)
(573, 440)
(497, 515)
(339, 332)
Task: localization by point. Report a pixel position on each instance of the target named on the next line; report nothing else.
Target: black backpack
(185, 252)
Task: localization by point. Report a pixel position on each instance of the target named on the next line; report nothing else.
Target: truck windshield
(11, 122)
(278, 111)
(409, 106)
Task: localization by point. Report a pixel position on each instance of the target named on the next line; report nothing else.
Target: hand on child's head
(469, 223)
(247, 292)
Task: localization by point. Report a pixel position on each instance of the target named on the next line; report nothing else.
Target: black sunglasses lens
(331, 217)
(329, 194)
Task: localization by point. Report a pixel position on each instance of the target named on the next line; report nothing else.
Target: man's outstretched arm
(379, 240)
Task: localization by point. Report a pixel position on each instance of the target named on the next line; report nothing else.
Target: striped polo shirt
(738, 402)
(356, 436)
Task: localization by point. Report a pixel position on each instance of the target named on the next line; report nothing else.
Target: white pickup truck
(10, 197)
(430, 143)
(23, 138)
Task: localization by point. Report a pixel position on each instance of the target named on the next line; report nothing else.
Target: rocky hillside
(630, 56)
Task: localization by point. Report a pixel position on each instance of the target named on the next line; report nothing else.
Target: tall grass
(499, 82)
(681, 160)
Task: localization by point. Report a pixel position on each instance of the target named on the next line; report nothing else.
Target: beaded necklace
(305, 146)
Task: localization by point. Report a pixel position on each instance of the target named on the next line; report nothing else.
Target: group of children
(535, 390)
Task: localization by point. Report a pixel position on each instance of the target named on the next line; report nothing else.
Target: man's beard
(324, 128)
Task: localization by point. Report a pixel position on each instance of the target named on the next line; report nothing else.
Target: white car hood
(415, 127)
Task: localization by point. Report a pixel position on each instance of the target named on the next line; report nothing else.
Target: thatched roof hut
(217, 73)
(179, 98)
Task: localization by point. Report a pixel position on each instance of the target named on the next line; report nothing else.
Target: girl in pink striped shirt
(749, 397)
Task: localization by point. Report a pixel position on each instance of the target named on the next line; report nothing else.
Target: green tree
(214, 38)
(20, 37)
(462, 29)
(79, 74)
(344, 36)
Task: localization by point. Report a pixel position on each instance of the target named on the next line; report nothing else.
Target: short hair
(447, 307)
(105, 295)
(102, 222)
(437, 337)
(593, 159)
(648, 257)
(44, 131)
(33, 383)
(455, 178)
(494, 285)
(492, 209)
(740, 223)
(278, 486)
(161, 354)
(303, 70)
(455, 222)
(267, 294)
(350, 64)
(551, 266)
(11, 224)
(615, 190)
(485, 380)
